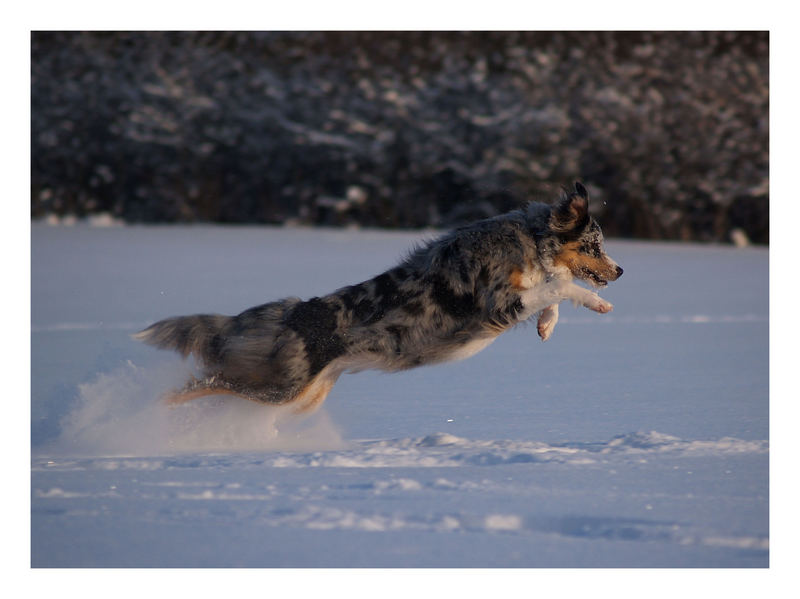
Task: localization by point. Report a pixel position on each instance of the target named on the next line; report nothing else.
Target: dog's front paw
(547, 322)
(601, 306)
(545, 329)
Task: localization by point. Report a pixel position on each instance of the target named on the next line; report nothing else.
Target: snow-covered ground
(638, 438)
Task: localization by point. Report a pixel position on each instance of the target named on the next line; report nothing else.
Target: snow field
(638, 438)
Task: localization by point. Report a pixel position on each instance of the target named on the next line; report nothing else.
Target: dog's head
(580, 247)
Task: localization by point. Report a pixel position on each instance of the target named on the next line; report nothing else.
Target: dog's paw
(602, 306)
(545, 330)
(547, 322)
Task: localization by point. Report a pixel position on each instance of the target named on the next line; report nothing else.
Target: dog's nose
(619, 272)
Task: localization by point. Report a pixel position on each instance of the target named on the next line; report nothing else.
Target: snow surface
(637, 438)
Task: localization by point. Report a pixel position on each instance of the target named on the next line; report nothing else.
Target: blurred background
(668, 130)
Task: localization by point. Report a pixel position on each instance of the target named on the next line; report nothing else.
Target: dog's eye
(591, 249)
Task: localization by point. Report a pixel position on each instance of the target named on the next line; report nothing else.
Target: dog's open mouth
(595, 279)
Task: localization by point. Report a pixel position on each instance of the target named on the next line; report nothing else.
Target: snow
(636, 438)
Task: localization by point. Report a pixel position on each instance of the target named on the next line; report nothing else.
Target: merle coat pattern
(447, 300)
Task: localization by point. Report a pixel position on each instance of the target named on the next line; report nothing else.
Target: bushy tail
(197, 334)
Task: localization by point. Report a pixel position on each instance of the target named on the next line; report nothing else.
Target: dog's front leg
(547, 321)
(588, 299)
(545, 299)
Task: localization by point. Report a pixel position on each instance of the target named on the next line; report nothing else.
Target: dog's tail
(197, 334)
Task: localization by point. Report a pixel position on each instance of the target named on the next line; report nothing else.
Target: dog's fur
(447, 300)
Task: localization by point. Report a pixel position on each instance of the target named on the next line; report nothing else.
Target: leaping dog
(447, 300)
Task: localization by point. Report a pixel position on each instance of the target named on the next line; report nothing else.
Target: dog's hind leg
(195, 389)
(175, 398)
(306, 400)
(312, 395)
(547, 321)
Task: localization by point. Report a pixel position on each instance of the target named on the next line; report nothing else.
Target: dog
(447, 300)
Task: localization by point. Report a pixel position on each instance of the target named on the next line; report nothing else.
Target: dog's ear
(571, 211)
